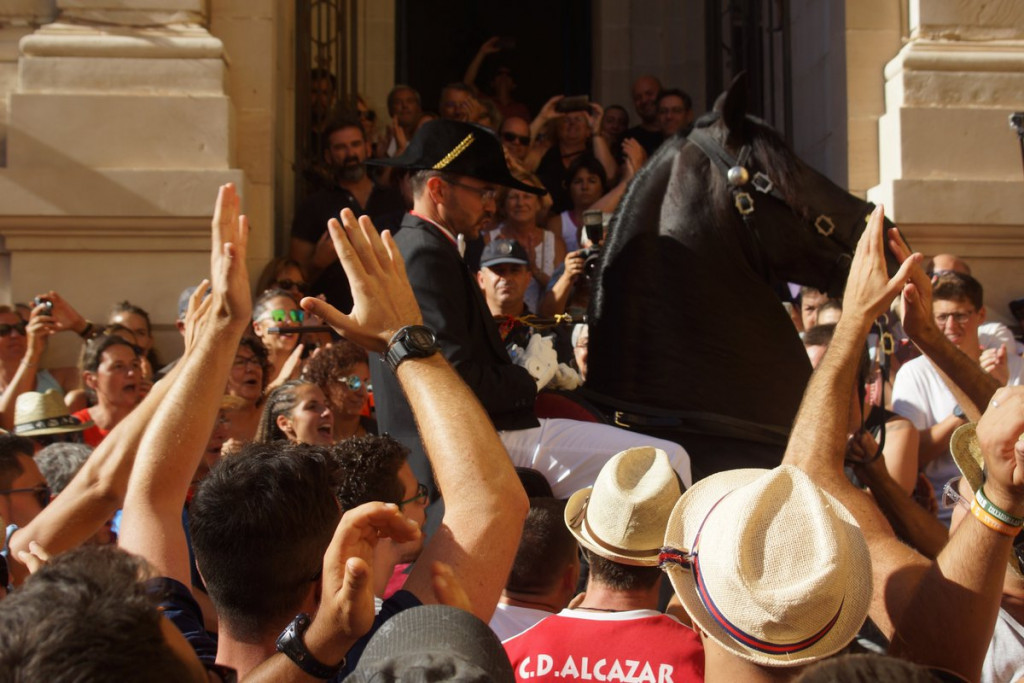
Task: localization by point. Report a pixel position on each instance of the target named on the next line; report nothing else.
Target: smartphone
(40, 300)
(506, 43)
(573, 103)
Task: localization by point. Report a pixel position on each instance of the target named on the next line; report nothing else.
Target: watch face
(421, 338)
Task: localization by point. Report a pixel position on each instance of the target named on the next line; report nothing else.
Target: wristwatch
(959, 412)
(412, 341)
(290, 643)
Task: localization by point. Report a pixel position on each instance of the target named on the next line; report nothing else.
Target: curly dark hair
(338, 358)
(371, 465)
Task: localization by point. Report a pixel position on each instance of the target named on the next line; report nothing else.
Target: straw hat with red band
(768, 565)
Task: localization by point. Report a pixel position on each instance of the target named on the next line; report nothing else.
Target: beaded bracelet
(996, 511)
(991, 522)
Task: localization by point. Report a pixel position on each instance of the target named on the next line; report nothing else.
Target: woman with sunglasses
(21, 348)
(342, 371)
(282, 273)
(277, 322)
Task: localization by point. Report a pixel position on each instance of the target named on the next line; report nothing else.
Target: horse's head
(800, 226)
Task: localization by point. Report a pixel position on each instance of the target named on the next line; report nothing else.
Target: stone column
(119, 132)
(18, 18)
(950, 170)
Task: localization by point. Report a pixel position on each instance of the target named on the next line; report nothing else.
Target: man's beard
(349, 173)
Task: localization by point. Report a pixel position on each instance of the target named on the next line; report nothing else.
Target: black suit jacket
(454, 307)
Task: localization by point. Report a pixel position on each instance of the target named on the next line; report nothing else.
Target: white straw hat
(768, 565)
(622, 516)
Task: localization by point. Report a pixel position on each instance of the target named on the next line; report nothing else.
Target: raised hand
(383, 298)
(869, 289)
(195, 314)
(916, 304)
(63, 314)
(999, 434)
(229, 276)
(346, 603)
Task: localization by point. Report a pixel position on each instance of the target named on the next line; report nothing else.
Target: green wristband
(991, 508)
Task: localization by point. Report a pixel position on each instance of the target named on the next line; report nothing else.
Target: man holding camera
(456, 168)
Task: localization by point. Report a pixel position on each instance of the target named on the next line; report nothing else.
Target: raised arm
(970, 384)
(818, 440)
(96, 492)
(484, 502)
(179, 430)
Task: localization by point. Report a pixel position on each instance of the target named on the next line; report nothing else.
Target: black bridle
(744, 187)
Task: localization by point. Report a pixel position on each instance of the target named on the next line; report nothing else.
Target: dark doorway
(437, 39)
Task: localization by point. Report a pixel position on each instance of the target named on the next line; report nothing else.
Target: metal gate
(752, 36)
(325, 78)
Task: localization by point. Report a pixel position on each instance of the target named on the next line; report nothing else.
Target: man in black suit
(457, 168)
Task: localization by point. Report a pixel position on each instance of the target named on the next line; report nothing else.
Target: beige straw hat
(622, 516)
(967, 454)
(37, 414)
(768, 565)
(968, 458)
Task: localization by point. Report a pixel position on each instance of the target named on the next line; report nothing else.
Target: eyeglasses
(959, 318)
(291, 284)
(951, 495)
(41, 492)
(422, 493)
(6, 330)
(512, 137)
(353, 382)
(280, 315)
(487, 194)
(242, 361)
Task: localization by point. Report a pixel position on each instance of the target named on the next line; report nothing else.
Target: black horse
(688, 340)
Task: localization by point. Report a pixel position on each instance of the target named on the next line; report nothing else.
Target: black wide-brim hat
(464, 149)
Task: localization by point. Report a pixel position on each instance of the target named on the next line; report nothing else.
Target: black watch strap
(959, 412)
(290, 643)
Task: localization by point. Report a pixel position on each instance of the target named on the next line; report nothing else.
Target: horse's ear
(732, 105)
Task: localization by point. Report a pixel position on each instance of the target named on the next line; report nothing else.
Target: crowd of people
(349, 473)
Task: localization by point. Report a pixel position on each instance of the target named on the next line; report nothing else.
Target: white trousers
(570, 453)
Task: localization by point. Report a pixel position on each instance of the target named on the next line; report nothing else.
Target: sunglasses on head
(512, 137)
(280, 315)
(289, 284)
(6, 330)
